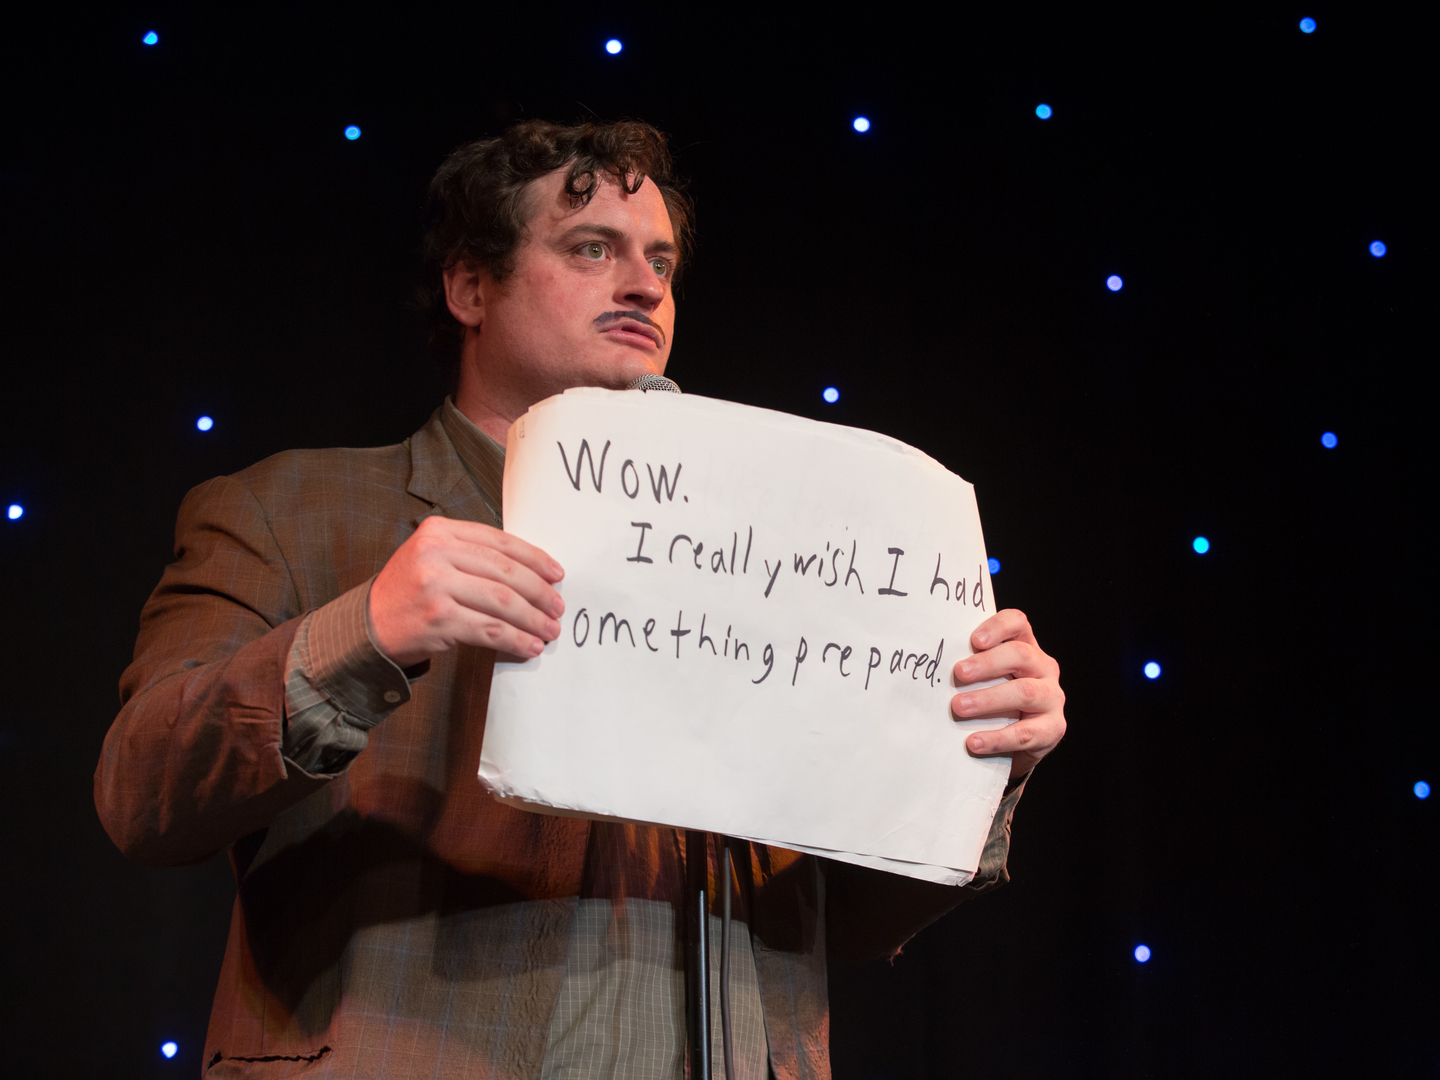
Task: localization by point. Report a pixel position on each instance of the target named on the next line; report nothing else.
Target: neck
(492, 394)
(491, 416)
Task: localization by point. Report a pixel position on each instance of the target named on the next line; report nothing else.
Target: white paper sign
(762, 616)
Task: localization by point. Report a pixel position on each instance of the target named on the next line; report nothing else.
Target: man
(309, 691)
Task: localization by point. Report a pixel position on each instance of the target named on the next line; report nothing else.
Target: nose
(637, 285)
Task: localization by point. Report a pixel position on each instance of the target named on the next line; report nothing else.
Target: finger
(1017, 695)
(1018, 658)
(1010, 624)
(1036, 736)
(491, 564)
(497, 600)
(510, 545)
(470, 627)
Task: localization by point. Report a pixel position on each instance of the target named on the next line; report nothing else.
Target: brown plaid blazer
(393, 920)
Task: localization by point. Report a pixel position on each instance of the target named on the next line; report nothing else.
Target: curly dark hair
(477, 208)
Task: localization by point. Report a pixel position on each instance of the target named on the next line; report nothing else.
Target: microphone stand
(697, 996)
(697, 990)
(726, 1042)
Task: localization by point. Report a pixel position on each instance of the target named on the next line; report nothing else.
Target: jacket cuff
(996, 853)
(346, 666)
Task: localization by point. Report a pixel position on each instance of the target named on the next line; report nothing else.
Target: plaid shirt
(391, 919)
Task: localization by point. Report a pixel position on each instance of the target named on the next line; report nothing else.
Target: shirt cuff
(992, 870)
(346, 666)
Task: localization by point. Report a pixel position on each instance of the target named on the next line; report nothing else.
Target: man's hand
(463, 583)
(1005, 647)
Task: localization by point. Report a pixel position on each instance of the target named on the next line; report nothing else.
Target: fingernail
(966, 703)
(556, 569)
(982, 639)
(557, 607)
(536, 648)
(552, 631)
(977, 743)
(966, 666)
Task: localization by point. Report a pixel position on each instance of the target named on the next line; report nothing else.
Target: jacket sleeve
(339, 685)
(194, 760)
(871, 914)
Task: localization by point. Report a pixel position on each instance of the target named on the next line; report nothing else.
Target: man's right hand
(463, 583)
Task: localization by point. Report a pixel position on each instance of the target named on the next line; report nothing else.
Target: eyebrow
(609, 232)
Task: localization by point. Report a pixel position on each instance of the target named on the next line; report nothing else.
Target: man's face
(589, 302)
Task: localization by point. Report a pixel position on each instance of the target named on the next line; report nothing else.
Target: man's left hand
(1005, 647)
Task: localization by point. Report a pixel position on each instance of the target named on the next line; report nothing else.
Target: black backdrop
(185, 230)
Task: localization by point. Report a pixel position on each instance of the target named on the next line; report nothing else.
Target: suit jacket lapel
(438, 476)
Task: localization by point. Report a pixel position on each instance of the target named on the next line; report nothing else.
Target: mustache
(634, 316)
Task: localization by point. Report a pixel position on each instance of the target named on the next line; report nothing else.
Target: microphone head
(653, 382)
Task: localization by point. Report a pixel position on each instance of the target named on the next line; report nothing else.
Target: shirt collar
(483, 457)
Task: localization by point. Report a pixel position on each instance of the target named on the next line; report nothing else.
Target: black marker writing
(773, 576)
(678, 633)
(596, 480)
(619, 622)
(800, 655)
(938, 580)
(891, 590)
(642, 526)
(769, 657)
(851, 572)
(658, 485)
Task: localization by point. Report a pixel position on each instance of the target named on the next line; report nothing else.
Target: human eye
(593, 250)
(660, 266)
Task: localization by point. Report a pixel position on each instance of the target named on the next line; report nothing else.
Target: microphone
(653, 382)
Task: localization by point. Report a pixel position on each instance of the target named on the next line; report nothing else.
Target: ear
(465, 292)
